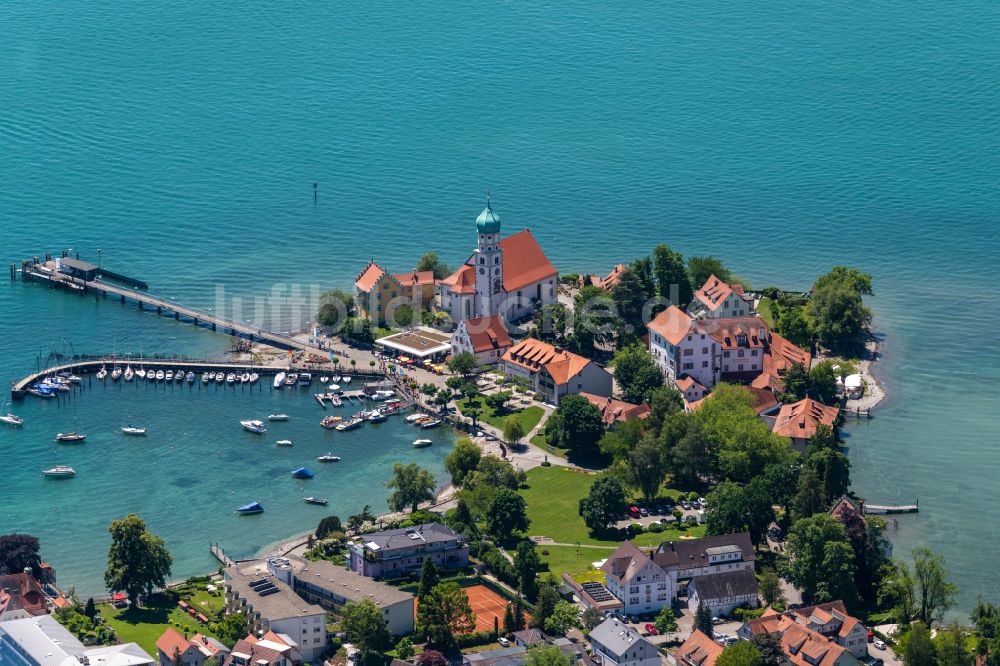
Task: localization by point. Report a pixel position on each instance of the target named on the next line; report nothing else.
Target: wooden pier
(220, 554)
(887, 509)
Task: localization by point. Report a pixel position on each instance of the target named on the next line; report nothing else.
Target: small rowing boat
(132, 430)
(315, 500)
(329, 457)
(284, 442)
(421, 443)
(277, 417)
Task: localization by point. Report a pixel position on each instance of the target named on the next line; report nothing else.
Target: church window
(482, 260)
(482, 271)
(496, 271)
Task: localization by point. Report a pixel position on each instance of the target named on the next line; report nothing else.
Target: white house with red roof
(486, 338)
(716, 299)
(508, 276)
(821, 635)
(798, 421)
(173, 649)
(552, 372)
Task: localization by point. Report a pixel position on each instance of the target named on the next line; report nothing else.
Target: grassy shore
(529, 416)
(145, 625)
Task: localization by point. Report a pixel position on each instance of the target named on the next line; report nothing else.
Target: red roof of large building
(672, 324)
(533, 355)
(616, 411)
(699, 650)
(462, 281)
(487, 333)
(172, 641)
(736, 332)
(415, 278)
(800, 419)
(21, 591)
(524, 263)
(369, 276)
(715, 292)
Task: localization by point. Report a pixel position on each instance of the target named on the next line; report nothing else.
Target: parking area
(663, 512)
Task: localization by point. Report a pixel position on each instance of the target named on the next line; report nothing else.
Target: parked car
(717, 621)
(651, 629)
(685, 505)
(874, 661)
(696, 504)
(701, 500)
(644, 512)
(879, 644)
(633, 511)
(503, 641)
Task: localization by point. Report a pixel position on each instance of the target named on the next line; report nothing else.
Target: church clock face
(496, 285)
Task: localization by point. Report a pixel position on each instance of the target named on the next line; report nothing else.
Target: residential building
(508, 276)
(607, 282)
(396, 553)
(617, 644)
(692, 392)
(698, 650)
(798, 421)
(710, 350)
(331, 586)
(615, 411)
(41, 641)
(418, 288)
(515, 655)
(377, 293)
(270, 604)
(485, 338)
(271, 649)
(716, 299)
(21, 596)
(691, 558)
(723, 592)
(552, 372)
(641, 585)
(173, 648)
(781, 356)
(823, 635)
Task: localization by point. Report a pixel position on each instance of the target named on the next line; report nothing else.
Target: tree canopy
(443, 614)
(507, 513)
(366, 628)
(412, 485)
(430, 261)
(138, 561)
(821, 560)
(741, 653)
(18, 552)
(672, 281)
(604, 504)
(575, 425)
(462, 459)
(636, 373)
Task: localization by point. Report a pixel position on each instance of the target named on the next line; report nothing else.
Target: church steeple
(488, 260)
(488, 222)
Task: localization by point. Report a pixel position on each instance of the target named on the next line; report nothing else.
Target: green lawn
(765, 310)
(553, 497)
(539, 441)
(145, 625)
(529, 416)
(569, 559)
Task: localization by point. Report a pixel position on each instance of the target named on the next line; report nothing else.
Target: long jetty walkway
(885, 509)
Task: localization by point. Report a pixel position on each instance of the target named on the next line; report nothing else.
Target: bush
(635, 528)
(656, 528)
(475, 638)
(546, 463)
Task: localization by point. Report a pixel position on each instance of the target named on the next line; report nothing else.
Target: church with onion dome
(507, 276)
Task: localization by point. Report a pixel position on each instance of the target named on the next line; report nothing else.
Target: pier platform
(886, 509)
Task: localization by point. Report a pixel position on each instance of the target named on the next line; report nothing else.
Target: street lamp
(98, 257)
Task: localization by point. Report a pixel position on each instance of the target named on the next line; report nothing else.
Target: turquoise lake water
(183, 138)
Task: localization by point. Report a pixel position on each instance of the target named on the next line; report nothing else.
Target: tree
(821, 560)
(138, 561)
(951, 648)
(328, 526)
(430, 261)
(429, 577)
(19, 552)
(550, 322)
(431, 658)
(665, 400)
(404, 648)
(547, 655)
(366, 628)
(507, 513)
(513, 430)
(839, 316)
(604, 504)
(548, 597)
(454, 383)
(734, 508)
(647, 467)
(413, 485)
(794, 325)
(335, 306)
(231, 628)
(443, 614)
(741, 653)
(666, 621)
(636, 373)
(692, 457)
(562, 619)
(509, 624)
(498, 401)
(462, 363)
(355, 522)
(770, 588)
(526, 566)
(575, 425)
(672, 281)
(642, 268)
(919, 649)
(833, 473)
(854, 279)
(897, 589)
(462, 459)
(935, 594)
(867, 535)
(703, 619)
(699, 269)
(591, 618)
(629, 297)
(822, 440)
(594, 319)
(89, 609)
(810, 498)
(769, 646)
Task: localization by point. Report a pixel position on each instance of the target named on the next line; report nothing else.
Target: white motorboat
(189, 377)
(12, 419)
(179, 376)
(140, 373)
(59, 471)
(335, 400)
(416, 417)
(433, 423)
(254, 377)
(329, 457)
(102, 373)
(116, 373)
(376, 416)
(129, 375)
(206, 377)
(70, 437)
(279, 380)
(421, 443)
(220, 377)
(168, 376)
(71, 378)
(231, 377)
(284, 442)
(254, 426)
(315, 500)
(133, 430)
(333, 387)
(323, 379)
(382, 395)
(291, 379)
(277, 417)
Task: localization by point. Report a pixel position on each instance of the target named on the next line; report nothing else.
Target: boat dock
(886, 509)
(220, 554)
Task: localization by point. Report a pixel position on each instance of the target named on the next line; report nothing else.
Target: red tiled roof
(487, 333)
(369, 276)
(524, 263)
(799, 419)
(462, 281)
(616, 411)
(21, 591)
(170, 641)
(672, 324)
(714, 293)
(699, 650)
(608, 281)
(415, 278)
(727, 331)
(534, 355)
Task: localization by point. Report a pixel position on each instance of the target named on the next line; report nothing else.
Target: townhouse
(395, 553)
(552, 372)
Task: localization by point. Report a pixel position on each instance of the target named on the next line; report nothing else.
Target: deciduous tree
(636, 373)
(935, 594)
(575, 425)
(526, 566)
(604, 504)
(741, 653)
(430, 261)
(647, 467)
(919, 649)
(547, 655)
(444, 614)
(672, 280)
(562, 619)
(462, 459)
(366, 628)
(412, 485)
(820, 557)
(507, 513)
(666, 620)
(18, 552)
(138, 560)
